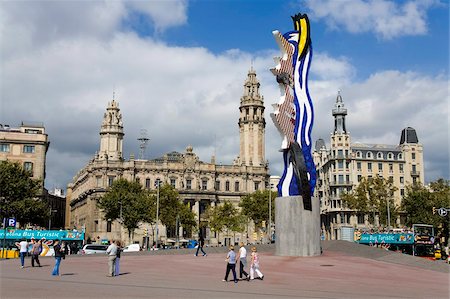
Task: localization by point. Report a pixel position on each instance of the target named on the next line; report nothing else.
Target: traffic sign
(442, 212)
(11, 222)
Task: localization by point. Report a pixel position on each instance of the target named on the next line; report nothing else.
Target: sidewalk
(335, 274)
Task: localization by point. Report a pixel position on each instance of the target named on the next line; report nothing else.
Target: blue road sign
(11, 222)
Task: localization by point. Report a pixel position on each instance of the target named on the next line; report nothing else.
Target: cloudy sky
(178, 68)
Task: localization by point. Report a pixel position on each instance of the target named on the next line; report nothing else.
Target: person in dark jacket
(201, 243)
(59, 254)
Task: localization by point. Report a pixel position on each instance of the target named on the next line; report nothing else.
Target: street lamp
(270, 213)
(157, 183)
(50, 218)
(388, 214)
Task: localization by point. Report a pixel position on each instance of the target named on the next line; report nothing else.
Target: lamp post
(270, 213)
(388, 214)
(121, 220)
(158, 182)
(50, 218)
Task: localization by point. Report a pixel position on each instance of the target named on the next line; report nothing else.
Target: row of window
(380, 167)
(370, 155)
(5, 148)
(187, 185)
(340, 165)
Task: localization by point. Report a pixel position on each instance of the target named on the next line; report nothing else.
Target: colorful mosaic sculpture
(293, 115)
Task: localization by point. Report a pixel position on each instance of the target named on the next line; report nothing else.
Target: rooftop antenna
(143, 143)
(114, 92)
(215, 144)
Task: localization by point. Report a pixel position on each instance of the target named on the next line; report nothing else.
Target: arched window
(227, 186)
(358, 154)
(379, 155)
(400, 156)
(390, 156)
(369, 155)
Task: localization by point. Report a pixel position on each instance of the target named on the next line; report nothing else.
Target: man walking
(201, 243)
(243, 261)
(112, 255)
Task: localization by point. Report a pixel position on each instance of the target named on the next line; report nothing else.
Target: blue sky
(178, 68)
(246, 25)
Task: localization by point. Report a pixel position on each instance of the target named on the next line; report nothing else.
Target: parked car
(94, 248)
(132, 248)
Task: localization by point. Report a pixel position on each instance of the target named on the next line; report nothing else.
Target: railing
(341, 183)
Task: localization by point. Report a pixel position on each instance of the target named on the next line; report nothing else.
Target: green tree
(225, 217)
(372, 196)
(128, 202)
(18, 195)
(170, 207)
(256, 206)
(419, 201)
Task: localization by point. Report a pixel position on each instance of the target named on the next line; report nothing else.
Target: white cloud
(164, 14)
(191, 96)
(387, 19)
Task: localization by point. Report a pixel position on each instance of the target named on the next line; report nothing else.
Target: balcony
(415, 173)
(341, 183)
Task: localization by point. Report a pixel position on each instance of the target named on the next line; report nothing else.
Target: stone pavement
(341, 272)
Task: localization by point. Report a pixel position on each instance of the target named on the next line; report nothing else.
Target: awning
(184, 241)
(170, 241)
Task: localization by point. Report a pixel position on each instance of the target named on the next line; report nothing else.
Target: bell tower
(111, 133)
(252, 123)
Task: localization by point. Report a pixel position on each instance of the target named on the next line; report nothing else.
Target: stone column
(297, 229)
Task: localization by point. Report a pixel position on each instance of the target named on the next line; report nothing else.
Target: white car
(94, 248)
(132, 248)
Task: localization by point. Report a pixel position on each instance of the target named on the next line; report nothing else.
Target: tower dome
(409, 135)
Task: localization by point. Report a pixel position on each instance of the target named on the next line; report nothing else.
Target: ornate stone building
(341, 167)
(199, 183)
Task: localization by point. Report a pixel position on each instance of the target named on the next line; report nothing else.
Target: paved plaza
(344, 270)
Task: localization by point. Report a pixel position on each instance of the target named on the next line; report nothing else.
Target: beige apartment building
(341, 167)
(27, 145)
(200, 184)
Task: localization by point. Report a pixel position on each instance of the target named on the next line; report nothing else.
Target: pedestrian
(59, 253)
(243, 261)
(201, 243)
(254, 265)
(119, 251)
(23, 249)
(35, 252)
(112, 255)
(231, 264)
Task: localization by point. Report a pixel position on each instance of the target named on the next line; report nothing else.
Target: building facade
(199, 184)
(27, 145)
(341, 167)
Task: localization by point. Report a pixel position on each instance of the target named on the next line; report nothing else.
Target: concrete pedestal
(297, 229)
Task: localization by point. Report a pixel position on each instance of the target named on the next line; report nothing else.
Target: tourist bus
(418, 242)
(74, 239)
(423, 241)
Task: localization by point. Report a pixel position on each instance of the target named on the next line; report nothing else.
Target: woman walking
(35, 252)
(231, 264)
(23, 249)
(254, 266)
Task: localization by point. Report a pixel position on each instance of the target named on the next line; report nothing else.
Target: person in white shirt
(243, 261)
(23, 249)
(112, 255)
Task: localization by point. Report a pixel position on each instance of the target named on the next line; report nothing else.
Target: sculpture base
(297, 229)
